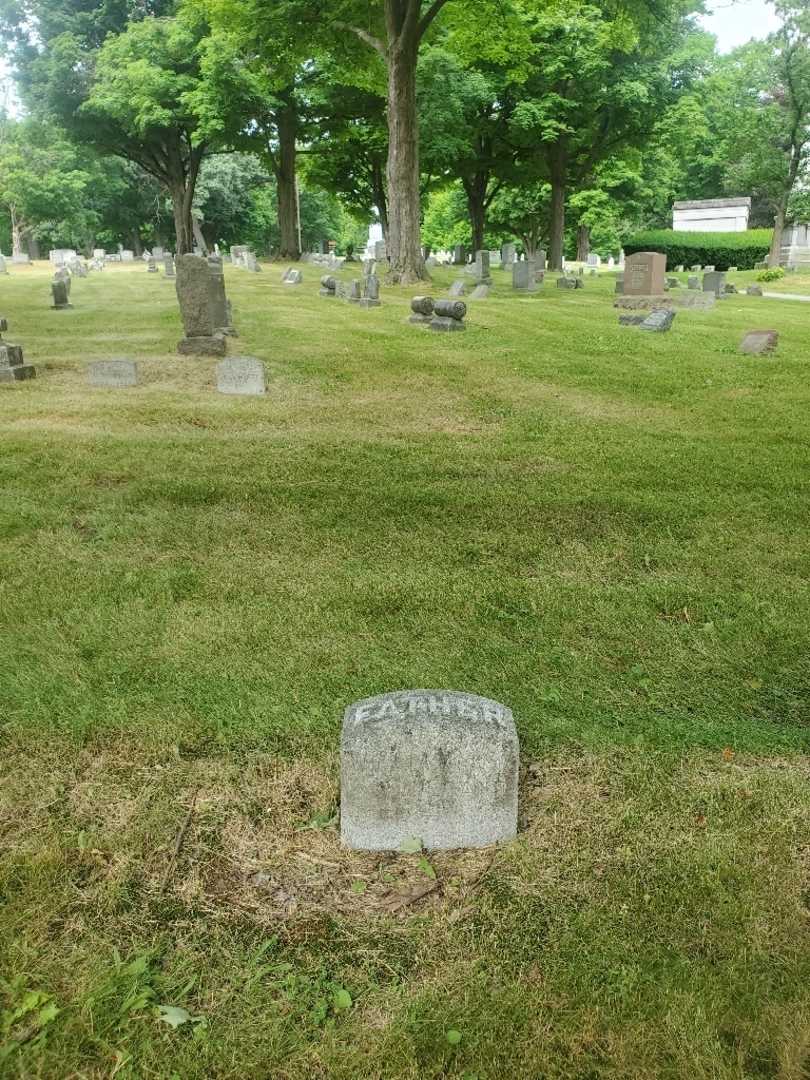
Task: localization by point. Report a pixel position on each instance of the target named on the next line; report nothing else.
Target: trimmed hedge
(720, 249)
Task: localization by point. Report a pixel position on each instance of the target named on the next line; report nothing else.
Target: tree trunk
(557, 229)
(287, 126)
(778, 227)
(476, 191)
(183, 230)
(404, 212)
(380, 196)
(16, 232)
(583, 243)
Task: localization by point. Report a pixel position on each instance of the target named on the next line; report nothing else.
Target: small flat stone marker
(754, 290)
(457, 289)
(658, 321)
(434, 766)
(116, 374)
(241, 375)
(757, 342)
(480, 292)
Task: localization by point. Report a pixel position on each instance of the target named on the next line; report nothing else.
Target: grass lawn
(605, 529)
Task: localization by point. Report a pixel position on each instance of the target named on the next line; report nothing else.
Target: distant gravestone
(168, 266)
(508, 255)
(729, 289)
(673, 283)
(631, 320)
(252, 263)
(567, 283)
(3, 267)
(127, 256)
(241, 375)
(696, 268)
(658, 321)
(644, 273)
(194, 296)
(757, 342)
(540, 259)
(116, 374)
(619, 286)
(158, 252)
(151, 265)
(714, 281)
(480, 292)
(328, 287)
(754, 290)
(60, 291)
(481, 268)
(421, 310)
(457, 289)
(355, 293)
(679, 268)
(431, 768)
(693, 283)
(448, 316)
(12, 366)
(380, 251)
(594, 259)
(292, 276)
(524, 276)
(371, 292)
(220, 307)
(459, 255)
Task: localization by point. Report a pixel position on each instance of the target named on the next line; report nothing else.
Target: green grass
(605, 529)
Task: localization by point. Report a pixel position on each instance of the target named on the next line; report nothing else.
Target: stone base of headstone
(699, 300)
(61, 307)
(428, 768)
(758, 342)
(203, 346)
(658, 321)
(369, 302)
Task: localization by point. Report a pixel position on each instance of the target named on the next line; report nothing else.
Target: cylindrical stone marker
(434, 765)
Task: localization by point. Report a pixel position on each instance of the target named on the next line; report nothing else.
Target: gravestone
(433, 766)
(328, 287)
(732, 270)
(220, 308)
(679, 268)
(540, 259)
(508, 254)
(611, 262)
(696, 268)
(693, 283)
(380, 251)
(292, 277)
(619, 287)
(3, 267)
(568, 283)
(194, 296)
(371, 292)
(709, 269)
(421, 310)
(754, 290)
(127, 256)
(714, 281)
(21, 258)
(60, 290)
(631, 320)
(481, 269)
(594, 259)
(168, 266)
(116, 374)
(459, 255)
(99, 253)
(355, 293)
(448, 316)
(644, 273)
(457, 289)
(729, 289)
(658, 321)
(241, 375)
(12, 366)
(158, 253)
(252, 263)
(673, 283)
(480, 292)
(524, 277)
(151, 265)
(757, 342)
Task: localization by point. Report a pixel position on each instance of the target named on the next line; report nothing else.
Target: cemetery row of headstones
(242, 375)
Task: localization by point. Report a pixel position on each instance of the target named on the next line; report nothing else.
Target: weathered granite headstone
(12, 366)
(457, 289)
(729, 289)
(459, 255)
(380, 252)
(430, 766)
(594, 259)
(355, 293)
(696, 268)
(371, 292)
(481, 268)
(448, 316)
(508, 254)
(127, 256)
(644, 273)
(679, 268)
(3, 267)
(168, 265)
(480, 292)
(757, 342)
(292, 276)
(194, 296)
(658, 321)
(60, 290)
(241, 375)
(116, 374)
(252, 263)
(709, 269)
(673, 283)
(158, 252)
(631, 320)
(693, 283)
(422, 310)
(220, 308)
(567, 283)
(524, 276)
(754, 290)
(714, 281)
(151, 265)
(328, 287)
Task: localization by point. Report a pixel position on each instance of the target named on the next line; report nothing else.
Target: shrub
(771, 275)
(722, 250)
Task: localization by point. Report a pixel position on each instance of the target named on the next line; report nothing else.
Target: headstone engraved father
(435, 765)
(644, 273)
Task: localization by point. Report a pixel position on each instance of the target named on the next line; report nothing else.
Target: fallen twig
(178, 843)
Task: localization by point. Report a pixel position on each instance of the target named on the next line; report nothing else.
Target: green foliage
(446, 222)
(774, 273)
(741, 249)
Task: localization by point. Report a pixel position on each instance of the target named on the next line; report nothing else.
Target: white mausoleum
(711, 215)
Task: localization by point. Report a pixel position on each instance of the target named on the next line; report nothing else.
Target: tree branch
(364, 35)
(428, 17)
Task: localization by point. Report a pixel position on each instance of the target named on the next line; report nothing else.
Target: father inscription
(434, 765)
(644, 273)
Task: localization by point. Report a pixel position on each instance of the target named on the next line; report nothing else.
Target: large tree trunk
(287, 126)
(404, 212)
(583, 243)
(380, 196)
(557, 176)
(182, 183)
(778, 228)
(16, 232)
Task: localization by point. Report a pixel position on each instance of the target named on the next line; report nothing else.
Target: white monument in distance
(711, 215)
